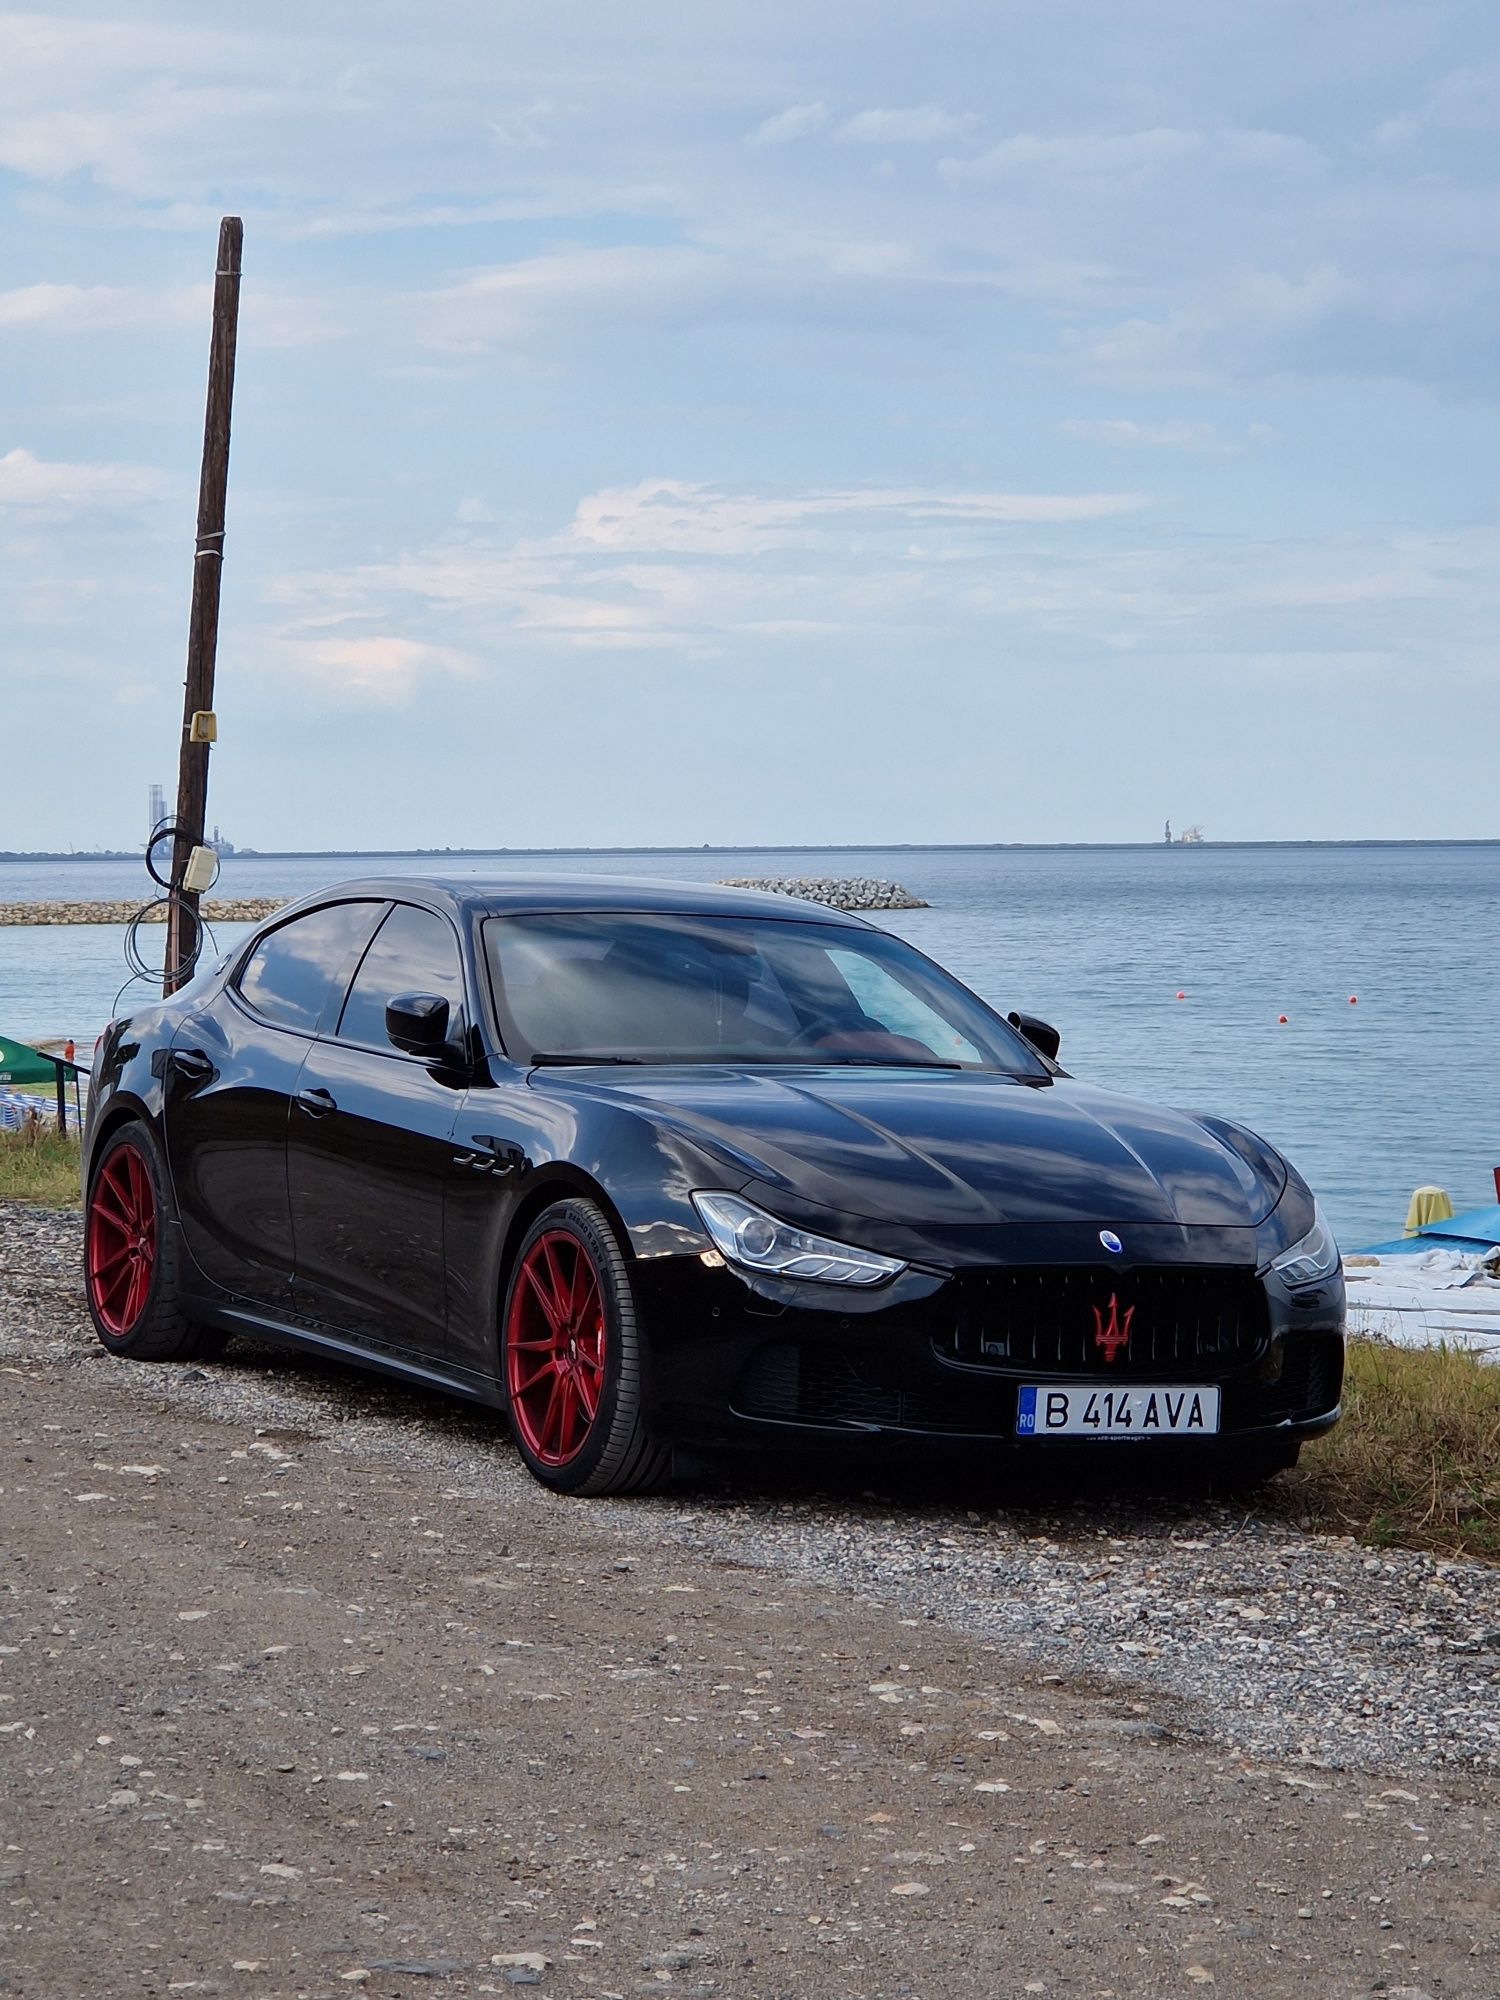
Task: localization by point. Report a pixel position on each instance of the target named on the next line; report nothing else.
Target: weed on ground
(1415, 1462)
(38, 1164)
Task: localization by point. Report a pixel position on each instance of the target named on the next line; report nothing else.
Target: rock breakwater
(228, 910)
(858, 892)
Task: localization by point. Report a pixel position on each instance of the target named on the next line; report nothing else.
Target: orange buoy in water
(1353, 999)
(1180, 994)
(1281, 1020)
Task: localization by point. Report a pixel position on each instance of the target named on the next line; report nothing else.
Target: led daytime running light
(1315, 1257)
(746, 1236)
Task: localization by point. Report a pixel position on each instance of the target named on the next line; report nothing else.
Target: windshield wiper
(728, 1059)
(539, 1057)
(879, 1062)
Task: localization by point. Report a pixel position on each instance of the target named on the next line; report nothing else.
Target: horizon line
(769, 847)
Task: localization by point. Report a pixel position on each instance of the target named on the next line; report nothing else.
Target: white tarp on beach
(1428, 1298)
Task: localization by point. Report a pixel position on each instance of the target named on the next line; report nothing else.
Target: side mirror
(1038, 1033)
(417, 1023)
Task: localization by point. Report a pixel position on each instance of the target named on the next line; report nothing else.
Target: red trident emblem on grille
(1112, 1335)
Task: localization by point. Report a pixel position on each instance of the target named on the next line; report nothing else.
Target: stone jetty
(858, 892)
(228, 910)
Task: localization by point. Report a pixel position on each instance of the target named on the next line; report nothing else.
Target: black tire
(613, 1451)
(142, 1315)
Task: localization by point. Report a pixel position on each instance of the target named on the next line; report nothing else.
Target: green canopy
(20, 1063)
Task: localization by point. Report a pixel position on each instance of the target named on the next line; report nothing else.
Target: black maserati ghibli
(652, 1166)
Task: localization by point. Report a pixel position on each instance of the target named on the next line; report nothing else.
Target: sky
(758, 423)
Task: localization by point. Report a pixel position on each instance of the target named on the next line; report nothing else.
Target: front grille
(1086, 1320)
(809, 1385)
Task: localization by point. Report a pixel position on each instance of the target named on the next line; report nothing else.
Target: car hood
(938, 1148)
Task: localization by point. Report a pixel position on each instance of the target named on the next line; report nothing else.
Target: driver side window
(414, 951)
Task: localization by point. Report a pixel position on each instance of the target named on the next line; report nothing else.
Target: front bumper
(733, 1360)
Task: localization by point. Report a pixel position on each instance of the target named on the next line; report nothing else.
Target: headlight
(747, 1236)
(1315, 1257)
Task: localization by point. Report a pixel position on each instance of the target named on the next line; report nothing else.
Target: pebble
(1377, 1660)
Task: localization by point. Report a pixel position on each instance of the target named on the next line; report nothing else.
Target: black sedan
(652, 1165)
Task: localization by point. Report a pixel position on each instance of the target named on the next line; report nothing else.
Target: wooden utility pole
(203, 621)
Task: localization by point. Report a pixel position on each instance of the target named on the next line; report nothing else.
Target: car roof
(494, 895)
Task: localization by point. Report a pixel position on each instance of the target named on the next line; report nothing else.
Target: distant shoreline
(758, 847)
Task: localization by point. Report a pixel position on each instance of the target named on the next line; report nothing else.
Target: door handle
(316, 1103)
(192, 1064)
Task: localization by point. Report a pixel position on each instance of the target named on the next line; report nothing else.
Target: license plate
(1090, 1409)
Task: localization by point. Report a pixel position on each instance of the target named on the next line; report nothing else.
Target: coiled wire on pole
(163, 833)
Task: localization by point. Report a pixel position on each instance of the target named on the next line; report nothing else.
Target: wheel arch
(553, 1184)
(120, 1111)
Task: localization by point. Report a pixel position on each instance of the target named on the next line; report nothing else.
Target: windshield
(622, 986)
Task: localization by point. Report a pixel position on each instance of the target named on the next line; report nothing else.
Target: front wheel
(571, 1350)
(131, 1255)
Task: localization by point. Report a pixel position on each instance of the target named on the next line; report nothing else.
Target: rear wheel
(131, 1255)
(571, 1350)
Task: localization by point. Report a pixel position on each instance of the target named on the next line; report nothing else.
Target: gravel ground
(306, 1689)
(1275, 1642)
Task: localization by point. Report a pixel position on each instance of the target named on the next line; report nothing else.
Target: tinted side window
(414, 952)
(292, 972)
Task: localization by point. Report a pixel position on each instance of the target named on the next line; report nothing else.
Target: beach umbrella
(20, 1063)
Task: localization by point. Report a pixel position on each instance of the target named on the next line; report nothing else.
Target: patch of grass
(1416, 1461)
(40, 1166)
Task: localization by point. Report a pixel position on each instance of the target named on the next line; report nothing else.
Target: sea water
(1369, 1098)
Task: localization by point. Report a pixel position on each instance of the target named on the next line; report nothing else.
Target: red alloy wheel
(555, 1346)
(121, 1240)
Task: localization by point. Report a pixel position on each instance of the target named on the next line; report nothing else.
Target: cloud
(668, 567)
(1251, 322)
(55, 308)
(667, 572)
(382, 669)
(1123, 159)
(673, 517)
(51, 488)
(513, 303)
(121, 99)
(1464, 101)
(1078, 156)
(522, 129)
(269, 315)
(916, 125)
(1124, 431)
(793, 123)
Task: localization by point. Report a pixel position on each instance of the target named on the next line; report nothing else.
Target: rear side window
(295, 970)
(414, 952)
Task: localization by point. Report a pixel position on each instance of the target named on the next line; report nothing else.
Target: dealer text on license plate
(1090, 1409)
